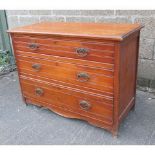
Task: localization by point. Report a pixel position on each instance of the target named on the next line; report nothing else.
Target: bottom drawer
(84, 104)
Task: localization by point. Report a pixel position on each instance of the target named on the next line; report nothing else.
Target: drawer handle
(85, 105)
(39, 91)
(36, 67)
(82, 52)
(83, 77)
(33, 46)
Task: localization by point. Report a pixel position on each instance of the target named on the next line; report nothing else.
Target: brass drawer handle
(39, 91)
(33, 46)
(85, 105)
(36, 67)
(82, 52)
(83, 77)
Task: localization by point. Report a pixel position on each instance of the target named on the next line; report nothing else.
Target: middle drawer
(71, 74)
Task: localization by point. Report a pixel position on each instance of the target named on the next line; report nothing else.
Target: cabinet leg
(24, 100)
(115, 134)
(115, 130)
(133, 107)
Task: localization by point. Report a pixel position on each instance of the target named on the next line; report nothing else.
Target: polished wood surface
(79, 70)
(128, 73)
(85, 30)
(96, 51)
(61, 97)
(68, 73)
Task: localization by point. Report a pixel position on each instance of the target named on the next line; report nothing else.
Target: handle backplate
(82, 52)
(33, 46)
(39, 91)
(83, 77)
(85, 105)
(36, 67)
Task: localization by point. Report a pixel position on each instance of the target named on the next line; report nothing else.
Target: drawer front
(85, 104)
(83, 76)
(104, 66)
(73, 48)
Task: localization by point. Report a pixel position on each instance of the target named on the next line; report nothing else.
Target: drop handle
(83, 77)
(33, 46)
(36, 66)
(85, 105)
(82, 52)
(39, 91)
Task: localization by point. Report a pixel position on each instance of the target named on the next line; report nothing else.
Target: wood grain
(57, 96)
(129, 51)
(71, 114)
(97, 51)
(92, 64)
(83, 30)
(68, 73)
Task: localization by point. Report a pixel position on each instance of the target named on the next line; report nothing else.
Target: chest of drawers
(79, 70)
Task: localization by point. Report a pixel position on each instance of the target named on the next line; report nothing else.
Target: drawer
(76, 75)
(73, 48)
(105, 66)
(85, 104)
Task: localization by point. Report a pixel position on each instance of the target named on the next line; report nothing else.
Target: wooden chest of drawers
(79, 70)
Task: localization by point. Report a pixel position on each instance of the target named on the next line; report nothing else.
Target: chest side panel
(128, 72)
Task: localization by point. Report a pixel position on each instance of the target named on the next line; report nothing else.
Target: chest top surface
(86, 30)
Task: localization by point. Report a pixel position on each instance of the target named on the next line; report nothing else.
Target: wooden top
(85, 30)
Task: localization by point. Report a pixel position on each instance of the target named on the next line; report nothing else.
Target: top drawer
(66, 47)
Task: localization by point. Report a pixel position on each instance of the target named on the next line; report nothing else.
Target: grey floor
(20, 124)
